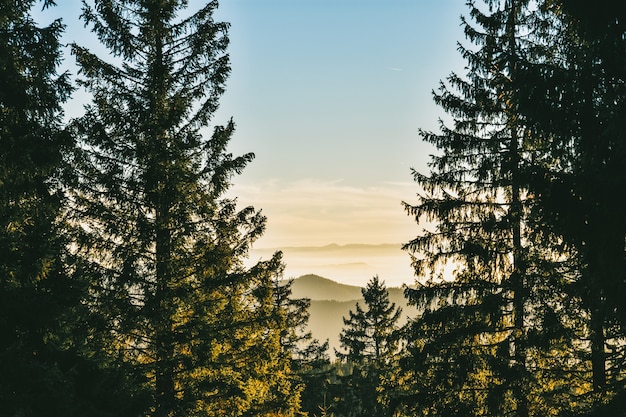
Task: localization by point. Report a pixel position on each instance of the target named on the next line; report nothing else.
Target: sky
(330, 96)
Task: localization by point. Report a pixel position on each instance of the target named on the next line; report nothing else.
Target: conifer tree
(370, 341)
(369, 335)
(162, 244)
(305, 358)
(473, 340)
(308, 358)
(312, 365)
(582, 93)
(36, 294)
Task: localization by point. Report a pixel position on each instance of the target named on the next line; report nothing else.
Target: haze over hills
(352, 264)
(318, 288)
(351, 267)
(332, 301)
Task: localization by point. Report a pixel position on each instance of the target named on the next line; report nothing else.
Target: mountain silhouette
(332, 301)
(350, 263)
(317, 288)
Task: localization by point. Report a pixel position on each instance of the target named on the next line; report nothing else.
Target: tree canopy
(125, 283)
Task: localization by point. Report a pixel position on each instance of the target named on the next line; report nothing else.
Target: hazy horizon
(351, 264)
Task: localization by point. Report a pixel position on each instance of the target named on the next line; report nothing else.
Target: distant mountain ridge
(360, 247)
(318, 288)
(332, 301)
(353, 263)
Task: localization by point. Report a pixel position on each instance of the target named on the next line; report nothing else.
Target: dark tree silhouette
(473, 343)
(576, 102)
(36, 294)
(162, 244)
(370, 342)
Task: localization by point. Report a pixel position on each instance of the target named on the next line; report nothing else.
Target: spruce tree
(36, 294)
(473, 341)
(369, 335)
(370, 341)
(582, 97)
(162, 244)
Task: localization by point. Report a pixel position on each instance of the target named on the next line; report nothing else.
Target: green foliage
(312, 365)
(162, 245)
(370, 339)
(36, 295)
(47, 367)
(486, 337)
(583, 81)
(123, 290)
(304, 357)
(370, 335)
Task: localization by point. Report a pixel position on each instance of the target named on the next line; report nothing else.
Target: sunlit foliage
(162, 244)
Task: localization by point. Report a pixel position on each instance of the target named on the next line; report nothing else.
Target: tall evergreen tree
(473, 340)
(370, 341)
(36, 294)
(582, 99)
(163, 245)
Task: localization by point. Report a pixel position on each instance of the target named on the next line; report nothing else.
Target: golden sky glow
(317, 213)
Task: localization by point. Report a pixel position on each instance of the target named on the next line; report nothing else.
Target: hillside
(332, 301)
(319, 288)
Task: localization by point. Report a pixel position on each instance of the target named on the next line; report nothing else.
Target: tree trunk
(517, 277)
(163, 198)
(598, 355)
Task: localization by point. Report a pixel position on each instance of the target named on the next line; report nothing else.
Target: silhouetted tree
(370, 341)
(162, 244)
(575, 102)
(36, 294)
(472, 345)
(45, 366)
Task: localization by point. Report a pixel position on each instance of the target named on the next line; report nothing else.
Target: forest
(123, 288)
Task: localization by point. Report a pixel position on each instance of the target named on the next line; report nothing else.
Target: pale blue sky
(329, 95)
(337, 89)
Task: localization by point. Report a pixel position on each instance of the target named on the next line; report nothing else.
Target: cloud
(313, 212)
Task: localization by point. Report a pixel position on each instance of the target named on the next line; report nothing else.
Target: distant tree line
(123, 290)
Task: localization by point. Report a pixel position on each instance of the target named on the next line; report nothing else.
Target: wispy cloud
(315, 212)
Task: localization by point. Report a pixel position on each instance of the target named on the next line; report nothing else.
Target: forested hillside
(126, 287)
(331, 302)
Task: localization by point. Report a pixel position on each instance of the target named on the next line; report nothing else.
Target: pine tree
(370, 341)
(473, 341)
(162, 244)
(36, 294)
(45, 366)
(582, 95)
